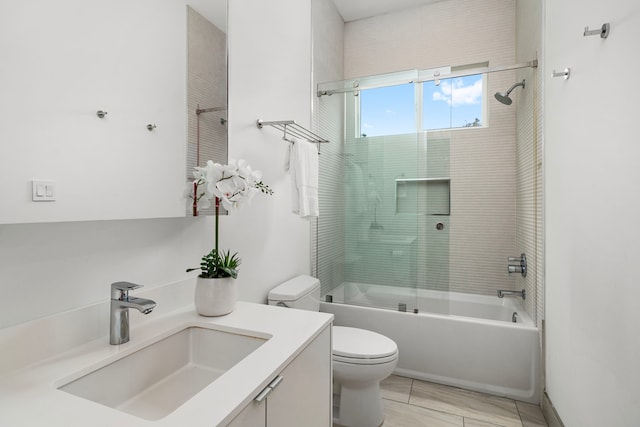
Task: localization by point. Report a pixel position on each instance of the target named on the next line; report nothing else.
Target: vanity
(257, 366)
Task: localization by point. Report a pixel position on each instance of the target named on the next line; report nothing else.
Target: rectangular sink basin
(155, 380)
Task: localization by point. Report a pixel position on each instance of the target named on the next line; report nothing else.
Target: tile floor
(414, 403)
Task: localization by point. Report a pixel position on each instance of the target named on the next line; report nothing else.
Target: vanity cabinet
(302, 397)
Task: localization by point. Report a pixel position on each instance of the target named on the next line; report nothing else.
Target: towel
(303, 165)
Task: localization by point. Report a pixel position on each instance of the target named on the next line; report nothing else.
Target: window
(444, 104)
(387, 110)
(453, 103)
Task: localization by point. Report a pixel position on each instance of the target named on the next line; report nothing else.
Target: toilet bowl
(361, 358)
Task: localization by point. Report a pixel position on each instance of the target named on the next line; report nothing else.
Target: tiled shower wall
(529, 156)
(482, 160)
(328, 121)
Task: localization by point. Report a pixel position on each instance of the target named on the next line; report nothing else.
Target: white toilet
(361, 358)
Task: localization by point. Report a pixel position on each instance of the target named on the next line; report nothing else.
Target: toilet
(361, 358)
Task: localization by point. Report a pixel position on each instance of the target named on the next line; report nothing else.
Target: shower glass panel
(391, 242)
(423, 198)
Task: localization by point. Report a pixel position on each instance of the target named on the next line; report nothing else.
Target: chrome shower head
(503, 97)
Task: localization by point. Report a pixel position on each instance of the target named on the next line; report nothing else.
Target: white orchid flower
(234, 184)
(233, 191)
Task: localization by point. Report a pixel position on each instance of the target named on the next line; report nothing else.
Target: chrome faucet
(121, 302)
(502, 293)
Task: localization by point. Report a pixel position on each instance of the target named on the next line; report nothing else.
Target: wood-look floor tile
(397, 414)
(469, 422)
(531, 415)
(396, 388)
(477, 406)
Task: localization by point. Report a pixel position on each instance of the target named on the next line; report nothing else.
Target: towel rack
(290, 127)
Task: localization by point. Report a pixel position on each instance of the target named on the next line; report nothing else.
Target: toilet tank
(302, 292)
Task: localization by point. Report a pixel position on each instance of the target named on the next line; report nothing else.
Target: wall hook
(602, 31)
(151, 127)
(566, 73)
(101, 114)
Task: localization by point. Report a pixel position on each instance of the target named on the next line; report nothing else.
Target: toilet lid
(361, 344)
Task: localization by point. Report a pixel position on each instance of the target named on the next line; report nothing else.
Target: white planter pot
(215, 297)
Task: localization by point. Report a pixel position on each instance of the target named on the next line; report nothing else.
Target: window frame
(419, 105)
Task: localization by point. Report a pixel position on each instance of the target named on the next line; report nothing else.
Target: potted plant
(233, 185)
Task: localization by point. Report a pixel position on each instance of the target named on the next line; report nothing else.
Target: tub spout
(502, 293)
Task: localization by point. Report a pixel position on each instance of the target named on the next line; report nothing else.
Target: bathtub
(462, 340)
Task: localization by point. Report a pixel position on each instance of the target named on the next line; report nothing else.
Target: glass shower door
(381, 149)
(382, 240)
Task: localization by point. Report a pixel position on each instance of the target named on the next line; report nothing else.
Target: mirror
(207, 90)
(93, 108)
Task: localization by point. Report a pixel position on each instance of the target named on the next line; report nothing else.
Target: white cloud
(368, 126)
(462, 95)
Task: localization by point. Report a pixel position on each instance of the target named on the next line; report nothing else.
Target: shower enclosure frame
(411, 76)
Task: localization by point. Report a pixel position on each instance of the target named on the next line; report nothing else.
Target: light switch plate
(43, 190)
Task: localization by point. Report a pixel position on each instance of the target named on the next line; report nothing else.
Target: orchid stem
(195, 198)
(217, 215)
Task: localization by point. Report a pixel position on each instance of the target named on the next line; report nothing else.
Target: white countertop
(29, 396)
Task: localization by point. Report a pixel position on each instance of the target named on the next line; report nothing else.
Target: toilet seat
(362, 347)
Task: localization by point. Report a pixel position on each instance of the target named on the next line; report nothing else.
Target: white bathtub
(463, 340)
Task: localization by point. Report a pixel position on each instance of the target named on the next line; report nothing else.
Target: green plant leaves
(220, 264)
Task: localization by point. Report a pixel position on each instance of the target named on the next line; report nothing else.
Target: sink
(157, 379)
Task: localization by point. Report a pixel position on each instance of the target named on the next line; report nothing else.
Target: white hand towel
(304, 168)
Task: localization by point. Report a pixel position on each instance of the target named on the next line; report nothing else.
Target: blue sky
(391, 110)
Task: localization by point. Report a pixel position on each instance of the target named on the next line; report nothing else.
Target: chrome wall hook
(602, 31)
(101, 114)
(566, 73)
(151, 127)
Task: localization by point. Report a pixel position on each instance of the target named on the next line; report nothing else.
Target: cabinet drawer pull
(268, 389)
(263, 394)
(276, 382)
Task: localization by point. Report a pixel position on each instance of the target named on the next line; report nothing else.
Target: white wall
(592, 206)
(50, 268)
(269, 79)
(54, 267)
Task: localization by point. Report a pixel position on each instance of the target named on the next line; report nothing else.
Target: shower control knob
(439, 226)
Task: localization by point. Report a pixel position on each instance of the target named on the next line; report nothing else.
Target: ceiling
(358, 9)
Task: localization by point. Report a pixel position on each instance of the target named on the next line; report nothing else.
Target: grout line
(519, 414)
(431, 410)
(449, 413)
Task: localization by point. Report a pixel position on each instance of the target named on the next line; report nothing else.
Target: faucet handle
(120, 290)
